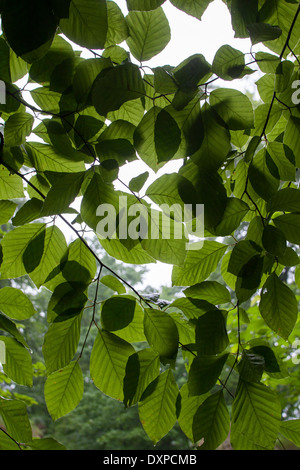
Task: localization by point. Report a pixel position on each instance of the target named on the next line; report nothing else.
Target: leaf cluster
(89, 106)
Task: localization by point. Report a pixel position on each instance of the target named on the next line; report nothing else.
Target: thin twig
(10, 437)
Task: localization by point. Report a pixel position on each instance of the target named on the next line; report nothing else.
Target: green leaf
(164, 81)
(256, 417)
(113, 283)
(10, 102)
(215, 145)
(260, 118)
(15, 304)
(161, 333)
(263, 175)
(251, 366)
(16, 420)
(14, 245)
(188, 408)
(250, 278)
(85, 269)
(211, 422)
(192, 71)
(199, 264)
(251, 148)
(157, 411)
(60, 140)
(241, 254)
(10, 327)
(7, 210)
(62, 76)
(242, 14)
(108, 363)
(289, 257)
(273, 365)
(84, 76)
(44, 157)
(41, 184)
(142, 368)
(117, 28)
(136, 255)
(61, 8)
(284, 74)
(29, 212)
(267, 62)
(281, 14)
(46, 99)
(166, 240)
(289, 224)
(18, 365)
(233, 107)
(211, 291)
(228, 63)
(53, 248)
(210, 193)
(285, 200)
(144, 139)
(211, 333)
(64, 390)
(117, 312)
(17, 21)
(62, 193)
(262, 32)
(67, 301)
(291, 430)
(136, 183)
(60, 343)
(134, 331)
(11, 186)
(167, 136)
(235, 211)
(204, 373)
(194, 8)
(284, 160)
(18, 67)
(144, 4)
(278, 306)
(131, 111)
(4, 61)
(149, 33)
(45, 443)
(121, 84)
(274, 241)
(192, 308)
(41, 70)
(291, 137)
(17, 128)
(86, 128)
(87, 23)
(168, 189)
(7, 443)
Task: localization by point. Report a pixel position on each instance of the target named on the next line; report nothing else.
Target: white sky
(191, 36)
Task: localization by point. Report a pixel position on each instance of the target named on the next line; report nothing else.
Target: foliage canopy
(90, 106)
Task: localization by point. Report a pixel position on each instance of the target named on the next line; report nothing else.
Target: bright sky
(190, 36)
